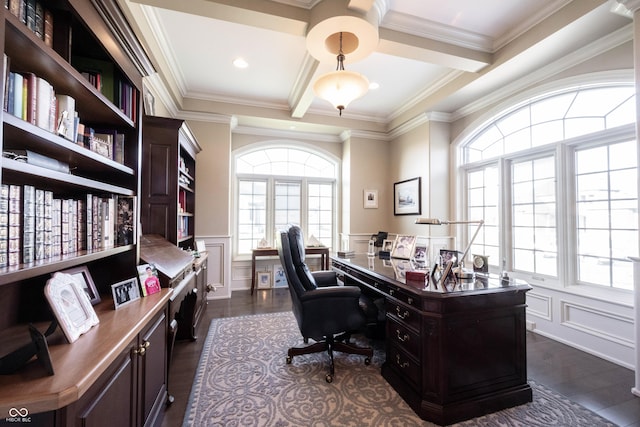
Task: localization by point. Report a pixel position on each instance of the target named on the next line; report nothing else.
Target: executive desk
(451, 354)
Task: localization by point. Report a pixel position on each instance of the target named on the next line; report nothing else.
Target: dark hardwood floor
(601, 386)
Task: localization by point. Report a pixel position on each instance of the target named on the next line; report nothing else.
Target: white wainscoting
(595, 325)
(219, 265)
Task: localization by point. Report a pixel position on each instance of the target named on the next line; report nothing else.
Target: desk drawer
(402, 295)
(403, 314)
(403, 337)
(407, 366)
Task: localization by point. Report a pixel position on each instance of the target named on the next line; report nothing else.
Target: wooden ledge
(78, 365)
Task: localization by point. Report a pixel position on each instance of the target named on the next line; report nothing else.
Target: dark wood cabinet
(169, 152)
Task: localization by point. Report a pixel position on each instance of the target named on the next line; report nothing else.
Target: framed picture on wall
(406, 197)
(371, 199)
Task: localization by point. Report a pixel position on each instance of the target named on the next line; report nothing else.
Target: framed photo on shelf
(149, 282)
(125, 221)
(72, 308)
(403, 246)
(125, 292)
(371, 199)
(263, 279)
(82, 273)
(406, 197)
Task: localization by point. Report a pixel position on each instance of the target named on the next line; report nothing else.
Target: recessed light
(374, 85)
(240, 63)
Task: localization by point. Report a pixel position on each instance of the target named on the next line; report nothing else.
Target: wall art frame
(407, 197)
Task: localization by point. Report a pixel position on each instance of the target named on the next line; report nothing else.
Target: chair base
(340, 343)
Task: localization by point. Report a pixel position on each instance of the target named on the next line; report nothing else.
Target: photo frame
(263, 279)
(279, 278)
(403, 246)
(82, 273)
(387, 245)
(370, 199)
(421, 250)
(125, 292)
(125, 220)
(406, 197)
(71, 307)
(149, 281)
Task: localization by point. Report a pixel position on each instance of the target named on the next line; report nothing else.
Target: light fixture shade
(341, 87)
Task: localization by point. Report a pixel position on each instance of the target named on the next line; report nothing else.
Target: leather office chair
(326, 312)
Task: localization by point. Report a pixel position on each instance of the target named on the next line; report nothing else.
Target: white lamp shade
(341, 87)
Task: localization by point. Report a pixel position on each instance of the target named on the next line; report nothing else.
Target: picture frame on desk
(403, 246)
(69, 304)
(125, 292)
(86, 281)
(149, 281)
(406, 197)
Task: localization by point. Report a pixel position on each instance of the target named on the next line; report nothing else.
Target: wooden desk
(266, 252)
(452, 355)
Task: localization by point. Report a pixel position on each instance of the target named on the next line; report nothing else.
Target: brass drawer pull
(403, 315)
(402, 338)
(410, 300)
(402, 365)
(142, 349)
(391, 291)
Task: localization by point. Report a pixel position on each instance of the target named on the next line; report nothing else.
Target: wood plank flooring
(601, 386)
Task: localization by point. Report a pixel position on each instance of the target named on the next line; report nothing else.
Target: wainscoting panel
(539, 305)
(603, 324)
(219, 265)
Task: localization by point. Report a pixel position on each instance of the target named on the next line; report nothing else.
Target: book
(15, 211)
(48, 28)
(4, 225)
(17, 95)
(28, 224)
(44, 97)
(31, 95)
(36, 159)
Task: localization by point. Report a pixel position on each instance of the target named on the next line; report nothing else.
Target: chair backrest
(296, 288)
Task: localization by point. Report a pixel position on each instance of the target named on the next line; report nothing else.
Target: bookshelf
(86, 29)
(169, 152)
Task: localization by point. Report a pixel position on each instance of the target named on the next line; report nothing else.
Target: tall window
(567, 167)
(277, 186)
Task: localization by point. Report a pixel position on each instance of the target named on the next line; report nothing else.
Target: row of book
(36, 226)
(35, 16)
(34, 100)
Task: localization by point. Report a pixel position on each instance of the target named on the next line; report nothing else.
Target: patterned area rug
(243, 380)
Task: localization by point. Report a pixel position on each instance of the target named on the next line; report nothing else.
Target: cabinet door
(114, 403)
(153, 370)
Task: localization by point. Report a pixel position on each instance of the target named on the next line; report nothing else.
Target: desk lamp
(434, 221)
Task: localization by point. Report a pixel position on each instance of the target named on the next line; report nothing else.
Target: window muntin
(605, 183)
(284, 185)
(482, 200)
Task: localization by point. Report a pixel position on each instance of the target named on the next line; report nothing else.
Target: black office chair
(326, 312)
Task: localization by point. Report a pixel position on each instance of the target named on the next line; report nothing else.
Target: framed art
(149, 282)
(279, 278)
(387, 245)
(263, 279)
(403, 246)
(125, 292)
(82, 273)
(72, 308)
(370, 199)
(421, 250)
(406, 197)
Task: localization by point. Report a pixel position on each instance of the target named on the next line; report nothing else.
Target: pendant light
(340, 87)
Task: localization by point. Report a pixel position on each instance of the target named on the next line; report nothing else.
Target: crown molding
(288, 134)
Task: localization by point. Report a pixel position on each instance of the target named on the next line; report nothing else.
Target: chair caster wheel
(289, 358)
(329, 378)
(367, 361)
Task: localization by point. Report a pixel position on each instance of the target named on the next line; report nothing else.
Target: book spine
(39, 225)
(15, 211)
(81, 221)
(4, 225)
(32, 96)
(48, 28)
(29, 224)
(17, 94)
(56, 221)
(89, 226)
(44, 95)
(48, 224)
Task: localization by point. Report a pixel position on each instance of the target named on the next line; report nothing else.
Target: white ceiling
(433, 56)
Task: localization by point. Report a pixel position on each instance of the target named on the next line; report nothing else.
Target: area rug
(243, 380)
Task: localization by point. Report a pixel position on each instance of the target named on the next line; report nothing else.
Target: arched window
(280, 185)
(555, 179)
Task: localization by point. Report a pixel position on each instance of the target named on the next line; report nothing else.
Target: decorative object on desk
(421, 251)
(460, 272)
(149, 281)
(279, 279)
(281, 398)
(447, 255)
(403, 246)
(263, 244)
(448, 277)
(371, 199)
(84, 277)
(346, 254)
(371, 247)
(125, 292)
(387, 245)
(201, 246)
(70, 305)
(406, 197)
(417, 278)
(313, 242)
(38, 347)
(263, 279)
(436, 275)
(481, 263)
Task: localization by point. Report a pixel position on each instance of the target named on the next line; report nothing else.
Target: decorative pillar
(631, 9)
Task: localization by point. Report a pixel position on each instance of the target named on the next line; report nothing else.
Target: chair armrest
(331, 292)
(325, 278)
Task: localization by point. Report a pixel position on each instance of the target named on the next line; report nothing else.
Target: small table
(266, 252)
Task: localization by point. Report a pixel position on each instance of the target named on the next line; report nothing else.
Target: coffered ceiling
(433, 57)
